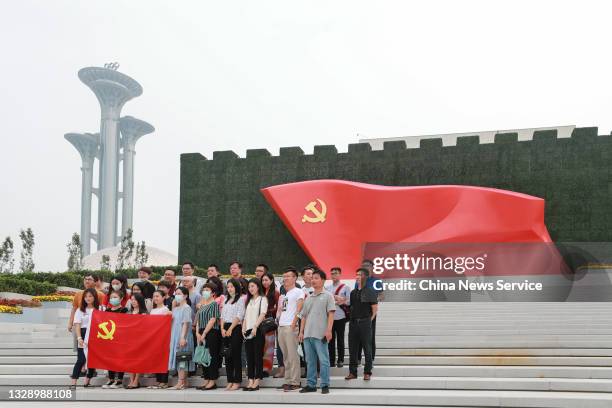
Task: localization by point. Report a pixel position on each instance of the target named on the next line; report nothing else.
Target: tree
(105, 264)
(7, 262)
(75, 253)
(142, 257)
(26, 263)
(126, 251)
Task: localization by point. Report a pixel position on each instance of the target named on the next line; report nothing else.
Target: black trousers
(360, 334)
(195, 343)
(81, 360)
(374, 338)
(162, 377)
(254, 352)
(373, 341)
(233, 364)
(213, 343)
(337, 337)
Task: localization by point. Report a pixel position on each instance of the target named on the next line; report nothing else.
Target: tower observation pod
(113, 89)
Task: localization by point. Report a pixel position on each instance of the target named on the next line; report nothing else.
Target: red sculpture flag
(129, 343)
(333, 219)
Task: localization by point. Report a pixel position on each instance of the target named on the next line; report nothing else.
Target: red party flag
(332, 220)
(129, 342)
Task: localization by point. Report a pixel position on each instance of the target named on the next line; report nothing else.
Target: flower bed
(10, 309)
(70, 293)
(20, 302)
(53, 298)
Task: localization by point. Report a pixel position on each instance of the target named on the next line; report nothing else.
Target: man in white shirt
(342, 296)
(307, 272)
(188, 269)
(290, 305)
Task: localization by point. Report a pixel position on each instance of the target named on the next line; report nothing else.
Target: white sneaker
(108, 384)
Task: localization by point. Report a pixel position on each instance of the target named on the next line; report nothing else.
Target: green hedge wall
(44, 283)
(223, 215)
(19, 284)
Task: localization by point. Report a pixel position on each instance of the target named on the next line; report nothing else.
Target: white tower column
(87, 146)
(132, 129)
(113, 89)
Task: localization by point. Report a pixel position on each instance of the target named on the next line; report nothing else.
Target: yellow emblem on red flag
(108, 334)
(319, 215)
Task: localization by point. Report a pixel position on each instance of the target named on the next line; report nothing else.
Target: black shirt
(148, 289)
(168, 302)
(362, 301)
(119, 310)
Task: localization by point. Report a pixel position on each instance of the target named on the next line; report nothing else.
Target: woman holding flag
(137, 303)
(82, 318)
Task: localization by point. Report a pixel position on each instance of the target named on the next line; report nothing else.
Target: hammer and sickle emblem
(319, 216)
(108, 334)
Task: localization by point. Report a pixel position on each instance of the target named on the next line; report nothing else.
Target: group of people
(243, 323)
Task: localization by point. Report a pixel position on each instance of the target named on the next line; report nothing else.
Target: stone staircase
(429, 354)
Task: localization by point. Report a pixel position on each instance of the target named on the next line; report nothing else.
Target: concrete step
(337, 382)
(501, 342)
(34, 350)
(523, 399)
(26, 328)
(389, 360)
(490, 371)
(494, 360)
(485, 331)
(56, 344)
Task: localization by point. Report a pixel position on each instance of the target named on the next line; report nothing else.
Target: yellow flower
(10, 309)
(53, 298)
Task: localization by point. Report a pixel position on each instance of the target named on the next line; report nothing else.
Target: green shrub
(17, 284)
(74, 279)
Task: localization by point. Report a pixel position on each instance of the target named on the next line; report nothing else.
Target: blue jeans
(315, 349)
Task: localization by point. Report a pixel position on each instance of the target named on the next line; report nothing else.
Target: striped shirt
(232, 310)
(207, 312)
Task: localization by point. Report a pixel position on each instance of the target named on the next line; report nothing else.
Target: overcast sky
(221, 75)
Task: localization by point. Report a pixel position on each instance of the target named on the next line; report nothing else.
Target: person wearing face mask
(208, 330)
(117, 283)
(115, 300)
(181, 338)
